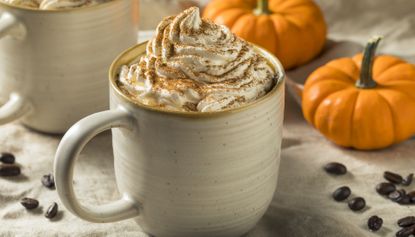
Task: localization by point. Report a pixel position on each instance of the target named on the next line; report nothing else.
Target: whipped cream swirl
(54, 4)
(195, 65)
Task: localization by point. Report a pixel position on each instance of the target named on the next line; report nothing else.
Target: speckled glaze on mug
(54, 63)
(182, 174)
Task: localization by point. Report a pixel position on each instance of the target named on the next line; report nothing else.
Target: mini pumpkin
(293, 30)
(364, 102)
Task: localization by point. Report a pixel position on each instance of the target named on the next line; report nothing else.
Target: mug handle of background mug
(69, 148)
(17, 105)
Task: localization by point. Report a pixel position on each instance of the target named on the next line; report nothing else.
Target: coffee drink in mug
(193, 65)
(54, 61)
(206, 170)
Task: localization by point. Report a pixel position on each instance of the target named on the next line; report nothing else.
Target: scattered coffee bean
(374, 223)
(404, 200)
(408, 180)
(29, 203)
(335, 168)
(392, 177)
(406, 232)
(411, 195)
(395, 195)
(7, 158)
(48, 181)
(400, 197)
(341, 193)
(385, 188)
(357, 204)
(52, 211)
(406, 221)
(9, 170)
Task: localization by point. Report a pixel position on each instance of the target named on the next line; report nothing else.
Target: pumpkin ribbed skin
(362, 118)
(293, 30)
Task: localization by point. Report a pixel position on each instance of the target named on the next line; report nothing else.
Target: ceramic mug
(182, 173)
(53, 63)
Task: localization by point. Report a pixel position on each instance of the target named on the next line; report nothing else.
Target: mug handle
(69, 148)
(17, 105)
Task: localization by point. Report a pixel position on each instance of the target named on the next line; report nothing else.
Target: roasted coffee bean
(404, 200)
(52, 211)
(402, 191)
(408, 180)
(357, 204)
(29, 203)
(7, 158)
(374, 223)
(411, 195)
(335, 168)
(406, 232)
(395, 195)
(400, 197)
(385, 188)
(392, 177)
(9, 170)
(406, 221)
(341, 193)
(48, 181)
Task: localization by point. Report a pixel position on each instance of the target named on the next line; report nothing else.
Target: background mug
(180, 173)
(53, 63)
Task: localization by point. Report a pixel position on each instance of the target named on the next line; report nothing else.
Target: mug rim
(8, 6)
(114, 70)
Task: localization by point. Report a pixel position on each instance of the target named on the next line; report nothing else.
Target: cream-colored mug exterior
(53, 63)
(182, 174)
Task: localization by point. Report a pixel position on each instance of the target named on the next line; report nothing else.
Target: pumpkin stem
(366, 75)
(262, 8)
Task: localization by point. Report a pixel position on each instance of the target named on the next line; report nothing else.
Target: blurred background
(353, 20)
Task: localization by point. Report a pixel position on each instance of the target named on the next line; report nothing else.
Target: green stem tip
(262, 8)
(366, 75)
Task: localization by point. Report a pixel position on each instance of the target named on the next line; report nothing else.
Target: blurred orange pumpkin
(294, 30)
(362, 102)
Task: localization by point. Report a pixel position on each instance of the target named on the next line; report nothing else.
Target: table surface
(302, 205)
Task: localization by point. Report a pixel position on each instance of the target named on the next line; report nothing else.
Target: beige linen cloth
(302, 205)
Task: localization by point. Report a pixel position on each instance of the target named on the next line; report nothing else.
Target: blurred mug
(53, 63)
(182, 174)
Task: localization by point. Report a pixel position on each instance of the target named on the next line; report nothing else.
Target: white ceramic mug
(182, 174)
(54, 63)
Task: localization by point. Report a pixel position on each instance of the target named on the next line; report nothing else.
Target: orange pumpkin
(294, 30)
(364, 102)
